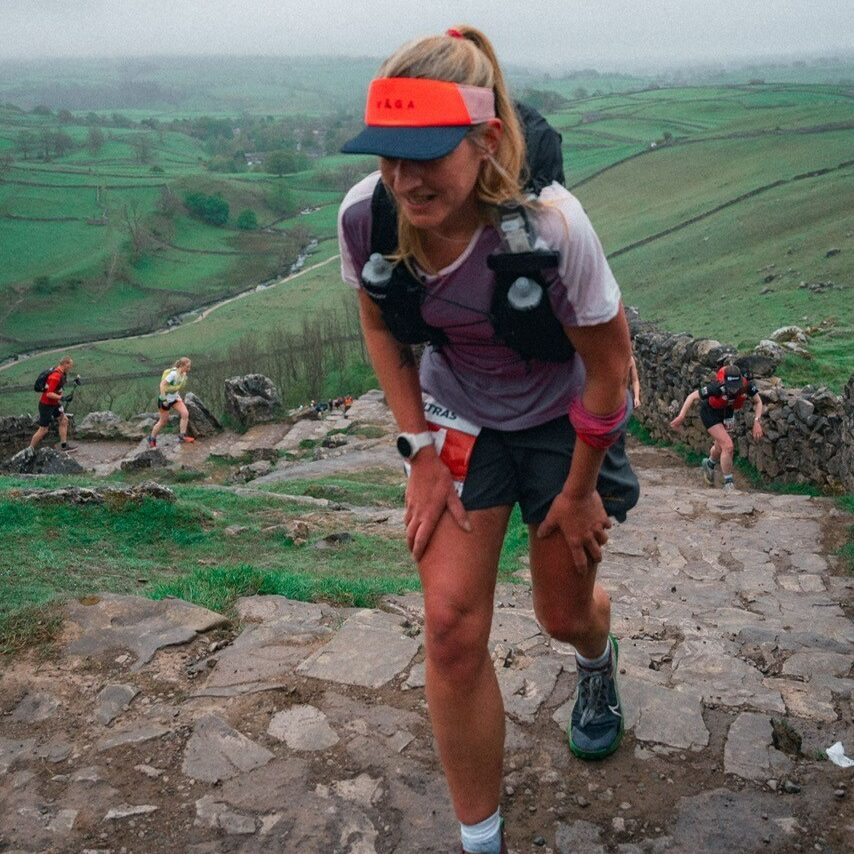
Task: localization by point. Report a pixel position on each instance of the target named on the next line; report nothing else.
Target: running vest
(520, 313)
(722, 401)
(173, 388)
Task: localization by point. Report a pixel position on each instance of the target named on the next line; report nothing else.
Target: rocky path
(157, 726)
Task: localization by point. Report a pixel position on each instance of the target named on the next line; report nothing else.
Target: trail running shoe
(729, 488)
(68, 448)
(708, 471)
(184, 439)
(596, 725)
(152, 442)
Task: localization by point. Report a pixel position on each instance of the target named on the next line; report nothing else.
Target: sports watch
(409, 444)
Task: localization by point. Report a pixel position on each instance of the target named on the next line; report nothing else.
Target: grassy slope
(726, 144)
(191, 263)
(158, 549)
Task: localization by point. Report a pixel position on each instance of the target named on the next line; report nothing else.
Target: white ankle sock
(483, 837)
(595, 663)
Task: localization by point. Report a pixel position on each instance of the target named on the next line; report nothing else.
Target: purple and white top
(476, 375)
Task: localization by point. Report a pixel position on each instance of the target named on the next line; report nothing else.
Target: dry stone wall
(809, 432)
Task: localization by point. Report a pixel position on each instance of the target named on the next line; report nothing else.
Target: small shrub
(247, 220)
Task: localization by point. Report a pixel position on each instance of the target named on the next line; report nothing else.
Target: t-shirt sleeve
(354, 229)
(752, 389)
(590, 294)
(172, 377)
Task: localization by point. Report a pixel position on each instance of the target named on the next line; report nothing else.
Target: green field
(185, 548)
(718, 205)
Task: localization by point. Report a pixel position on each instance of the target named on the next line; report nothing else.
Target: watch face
(404, 446)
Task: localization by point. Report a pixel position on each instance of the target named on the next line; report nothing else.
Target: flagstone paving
(157, 726)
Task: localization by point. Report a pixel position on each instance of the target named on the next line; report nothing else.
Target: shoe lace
(592, 695)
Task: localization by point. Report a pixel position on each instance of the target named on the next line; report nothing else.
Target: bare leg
(723, 447)
(466, 711)
(38, 436)
(63, 428)
(184, 414)
(570, 605)
(161, 422)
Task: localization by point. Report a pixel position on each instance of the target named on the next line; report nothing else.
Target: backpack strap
(383, 221)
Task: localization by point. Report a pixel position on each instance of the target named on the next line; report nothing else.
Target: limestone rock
(217, 751)
(302, 728)
(14, 428)
(108, 425)
(114, 496)
(202, 421)
(147, 459)
(110, 621)
(43, 461)
(251, 399)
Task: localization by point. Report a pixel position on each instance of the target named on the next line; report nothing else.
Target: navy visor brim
(407, 143)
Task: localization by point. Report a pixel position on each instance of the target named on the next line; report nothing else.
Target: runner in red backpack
(51, 409)
(719, 401)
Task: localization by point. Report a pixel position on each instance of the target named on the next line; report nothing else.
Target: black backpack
(41, 380)
(536, 334)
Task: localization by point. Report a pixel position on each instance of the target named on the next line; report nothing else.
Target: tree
(26, 143)
(281, 162)
(95, 140)
(62, 143)
(279, 199)
(65, 116)
(141, 239)
(141, 145)
(247, 220)
(213, 209)
(544, 100)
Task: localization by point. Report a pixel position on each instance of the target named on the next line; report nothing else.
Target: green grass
(158, 549)
(218, 589)
(387, 492)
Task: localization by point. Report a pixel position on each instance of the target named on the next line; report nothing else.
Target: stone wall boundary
(809, 431)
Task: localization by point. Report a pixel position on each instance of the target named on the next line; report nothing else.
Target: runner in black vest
(719, 400)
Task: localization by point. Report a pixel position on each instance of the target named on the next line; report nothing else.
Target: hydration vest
(173, 388)
(520, 312)
(722, 401)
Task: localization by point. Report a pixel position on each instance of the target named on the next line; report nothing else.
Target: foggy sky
(605, 34)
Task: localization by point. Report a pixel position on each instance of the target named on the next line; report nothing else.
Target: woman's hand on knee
(429, 493)
(582, 521)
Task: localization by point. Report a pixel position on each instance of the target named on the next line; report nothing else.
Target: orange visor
(418, 102)
(418, 119)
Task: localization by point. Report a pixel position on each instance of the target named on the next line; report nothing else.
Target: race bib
(453, 437)
(729, 423)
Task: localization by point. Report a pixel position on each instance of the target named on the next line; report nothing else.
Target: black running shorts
(531, 466)
(47, 414)
(711, 416)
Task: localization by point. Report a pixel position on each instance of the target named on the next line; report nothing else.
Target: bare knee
(455, 642)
